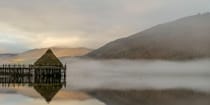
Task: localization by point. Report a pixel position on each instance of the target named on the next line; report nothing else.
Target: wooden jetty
(31, 74)
(47, 75)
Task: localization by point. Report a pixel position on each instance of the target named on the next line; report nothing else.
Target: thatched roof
(48, 58)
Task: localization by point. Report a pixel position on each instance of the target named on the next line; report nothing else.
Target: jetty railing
(20, 75)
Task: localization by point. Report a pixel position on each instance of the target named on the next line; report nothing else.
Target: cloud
(89, 23)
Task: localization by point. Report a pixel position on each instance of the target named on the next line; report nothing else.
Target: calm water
(16, 99)
(125, 74)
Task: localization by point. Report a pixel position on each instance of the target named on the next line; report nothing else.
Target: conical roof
(48, 58)
(47, 91)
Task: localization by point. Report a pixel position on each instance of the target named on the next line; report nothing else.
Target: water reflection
(18, 99)
(49, 90)
(47, 81)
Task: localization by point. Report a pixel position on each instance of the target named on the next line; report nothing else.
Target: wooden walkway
(21, 75)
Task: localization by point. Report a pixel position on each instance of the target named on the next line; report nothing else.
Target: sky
(28, 24)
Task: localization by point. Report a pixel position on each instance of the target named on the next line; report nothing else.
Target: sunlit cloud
(53, 41)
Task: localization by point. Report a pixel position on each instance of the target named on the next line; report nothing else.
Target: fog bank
(137, 74)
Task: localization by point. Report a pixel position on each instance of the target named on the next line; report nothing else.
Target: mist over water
(137, 74)
(92, 74)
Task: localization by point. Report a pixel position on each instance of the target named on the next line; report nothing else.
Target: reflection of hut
(48, 72)
(48, 91)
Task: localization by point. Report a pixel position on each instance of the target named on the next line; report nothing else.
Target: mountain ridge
(34, 54)
(185, 38)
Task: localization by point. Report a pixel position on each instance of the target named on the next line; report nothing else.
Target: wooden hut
(48, 66)
(48, 72)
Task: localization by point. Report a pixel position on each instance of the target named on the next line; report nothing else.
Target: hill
(7, 55)
(34, 54)
(186, 38)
